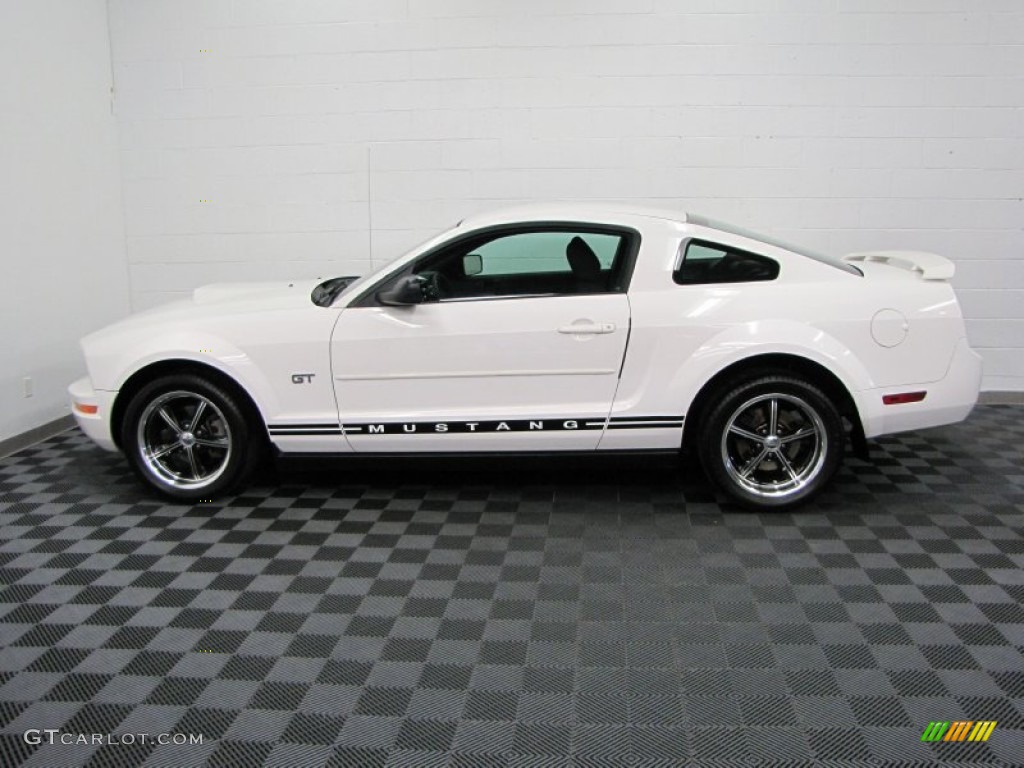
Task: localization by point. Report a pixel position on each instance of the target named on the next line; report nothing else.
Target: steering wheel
(435, 286)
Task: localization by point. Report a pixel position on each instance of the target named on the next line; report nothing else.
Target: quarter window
(705, 262)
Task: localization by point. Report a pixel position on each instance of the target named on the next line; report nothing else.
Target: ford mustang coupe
(549, 328)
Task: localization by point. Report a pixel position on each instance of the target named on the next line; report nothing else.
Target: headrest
(582, 259)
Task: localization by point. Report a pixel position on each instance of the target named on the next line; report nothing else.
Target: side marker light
(903, 397)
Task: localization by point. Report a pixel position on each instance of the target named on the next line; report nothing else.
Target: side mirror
(406, 292)
(472, 264)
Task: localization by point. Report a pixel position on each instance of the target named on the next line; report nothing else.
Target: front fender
(113, 362)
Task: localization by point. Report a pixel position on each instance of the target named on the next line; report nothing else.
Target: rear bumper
(948, 400)
(96, 425)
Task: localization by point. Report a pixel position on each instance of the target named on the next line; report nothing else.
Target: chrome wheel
(184, 440)
(774, 445)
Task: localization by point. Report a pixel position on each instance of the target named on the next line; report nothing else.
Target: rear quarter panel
(682, 335)
(933, 325)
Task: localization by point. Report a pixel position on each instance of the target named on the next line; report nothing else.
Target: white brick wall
(327, 134)
(62, 249)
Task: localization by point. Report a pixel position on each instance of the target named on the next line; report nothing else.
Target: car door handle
(587, 328)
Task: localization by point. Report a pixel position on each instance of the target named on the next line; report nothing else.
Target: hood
(216, 301)
(273, 292)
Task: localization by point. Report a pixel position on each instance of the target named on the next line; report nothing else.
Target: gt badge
(302, 378)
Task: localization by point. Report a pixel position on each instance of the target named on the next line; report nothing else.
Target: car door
(517, 344)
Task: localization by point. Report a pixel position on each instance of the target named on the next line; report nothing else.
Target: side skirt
(475, 454)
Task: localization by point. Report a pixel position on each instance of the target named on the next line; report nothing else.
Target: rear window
(824, 258)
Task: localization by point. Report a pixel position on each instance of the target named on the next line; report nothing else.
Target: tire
(184, 457)
(771, 472)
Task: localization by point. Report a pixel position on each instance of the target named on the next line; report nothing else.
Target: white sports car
(550, 328)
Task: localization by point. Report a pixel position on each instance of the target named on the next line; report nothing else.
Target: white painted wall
(62, 252)
(324, 134)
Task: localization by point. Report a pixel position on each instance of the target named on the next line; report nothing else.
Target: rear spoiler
(930, 265)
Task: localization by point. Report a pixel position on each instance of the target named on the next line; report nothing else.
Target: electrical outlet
(27, 384)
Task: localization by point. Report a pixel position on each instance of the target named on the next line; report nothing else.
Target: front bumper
(91, 409)
(947, 401)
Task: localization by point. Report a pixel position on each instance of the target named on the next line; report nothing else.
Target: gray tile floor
(491, 613)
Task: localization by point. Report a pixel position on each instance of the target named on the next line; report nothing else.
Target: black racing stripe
(305, 429)
(645, 418)
(659, 425)
(327, 425)
(305, 432)
(461, 427)
(474, 427)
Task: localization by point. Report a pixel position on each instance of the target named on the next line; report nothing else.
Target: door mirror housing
(407, 291)
(472, 264)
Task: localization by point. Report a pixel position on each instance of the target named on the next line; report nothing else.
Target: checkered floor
(541, 613)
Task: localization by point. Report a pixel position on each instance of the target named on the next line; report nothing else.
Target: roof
(569, 211)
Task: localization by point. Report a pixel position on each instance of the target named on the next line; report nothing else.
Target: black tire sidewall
(722, 409)
(243, 453)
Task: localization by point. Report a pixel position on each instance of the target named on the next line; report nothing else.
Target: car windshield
(824, 258)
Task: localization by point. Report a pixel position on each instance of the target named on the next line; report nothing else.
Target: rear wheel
(772, 442)
(189, 438)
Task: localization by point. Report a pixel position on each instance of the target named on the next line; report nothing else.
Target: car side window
(535, 262)
(704, 262)
(541, 252)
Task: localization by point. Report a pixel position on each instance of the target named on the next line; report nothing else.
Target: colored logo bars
(959, 730)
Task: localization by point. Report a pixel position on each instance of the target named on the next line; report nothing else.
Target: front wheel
(772, 442)
(188, 438)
